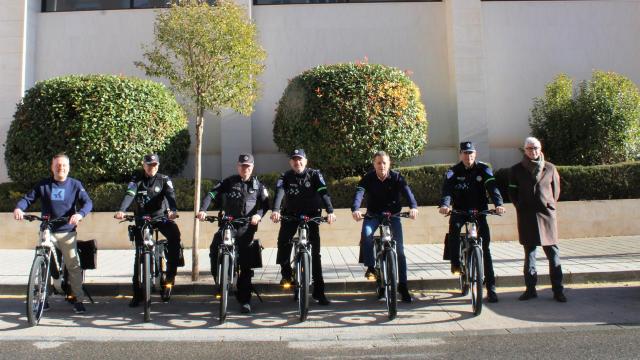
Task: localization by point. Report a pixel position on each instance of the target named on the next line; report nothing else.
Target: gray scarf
(534, 166)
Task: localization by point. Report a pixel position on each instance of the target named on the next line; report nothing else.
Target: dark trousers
(286, 233)
(171, 232)
(555, 269)
(455, 225)
(244, 237)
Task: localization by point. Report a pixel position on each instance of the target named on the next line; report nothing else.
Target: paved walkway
(583, 260)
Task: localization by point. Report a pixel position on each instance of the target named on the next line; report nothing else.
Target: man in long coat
(534, 188)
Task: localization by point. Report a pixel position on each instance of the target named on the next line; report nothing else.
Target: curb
(205, 285)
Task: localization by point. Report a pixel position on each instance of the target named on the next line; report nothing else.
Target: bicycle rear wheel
(303, 277)
(146, 284)
(391, 283)
(225, 277)
(475, 279)
(37, 289)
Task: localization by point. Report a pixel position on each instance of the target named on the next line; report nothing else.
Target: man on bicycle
(304, 191)
(241, 195)
(466, 185)
(383, 187)
(61, 196)
(150, 190)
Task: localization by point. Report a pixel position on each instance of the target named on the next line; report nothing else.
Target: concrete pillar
(467, 74)
(17, 54)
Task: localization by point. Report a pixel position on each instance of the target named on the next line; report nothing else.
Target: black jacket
(467, 188)
(304, 193)
(238, 198)
(152, 195)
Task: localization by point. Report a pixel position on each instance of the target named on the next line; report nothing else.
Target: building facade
(479, 64)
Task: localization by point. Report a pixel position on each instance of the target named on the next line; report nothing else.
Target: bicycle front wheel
(146, 284)
(37, 289)
(225, 278)
(475, 279)
(303, 276)
(462, 278)
(391, 283)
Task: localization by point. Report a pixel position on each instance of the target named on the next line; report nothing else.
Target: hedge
(104, 123)
(600, 182)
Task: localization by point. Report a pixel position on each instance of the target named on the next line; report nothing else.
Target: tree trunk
(195, 268)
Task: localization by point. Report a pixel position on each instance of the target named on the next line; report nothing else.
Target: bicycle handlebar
(387, 215)
(45, 219)
(146, 218)
(304, 219)
(473, 212)
(229, 219)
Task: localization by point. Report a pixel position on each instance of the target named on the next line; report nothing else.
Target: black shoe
(135, 302)
(404, 293)
(492, 297)
(528, 294)
(245, 308)
(456, 269)
(371, 273)
(78, 307)
(321, 298)
(559, 297)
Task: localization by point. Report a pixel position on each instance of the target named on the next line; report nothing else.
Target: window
(82, 5)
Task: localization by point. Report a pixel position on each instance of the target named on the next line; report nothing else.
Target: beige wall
(478, 64)
(527, 43)
(576, 219)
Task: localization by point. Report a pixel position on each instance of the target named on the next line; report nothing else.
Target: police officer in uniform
(305, 192)
(466, 185)
(240, 196)
(150, 192)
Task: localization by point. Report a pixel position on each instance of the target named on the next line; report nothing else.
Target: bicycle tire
(224, 286)
(463, 278)
(146, 284)
(391, 283)
(475, 279)
(37, 289)
(304, 280)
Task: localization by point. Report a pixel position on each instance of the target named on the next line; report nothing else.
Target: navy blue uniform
(59, 199)
(239, 199)
(466, 189)
(303, 194)
(152, 196)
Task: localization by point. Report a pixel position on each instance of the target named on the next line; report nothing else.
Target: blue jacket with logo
(59, 199)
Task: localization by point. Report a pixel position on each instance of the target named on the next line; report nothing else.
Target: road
(599, 321)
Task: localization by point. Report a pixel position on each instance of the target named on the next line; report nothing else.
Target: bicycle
(47, 270)
(471, 260)
(386, 265)
(227, 254)
(302, 261)
(151, 260)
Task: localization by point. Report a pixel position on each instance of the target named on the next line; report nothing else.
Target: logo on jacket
(307, 184)
(57, 194)
(156, 189)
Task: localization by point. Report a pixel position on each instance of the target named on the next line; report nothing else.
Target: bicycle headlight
(473, 230)
(386, 233)
(302, 236)
(226, 237)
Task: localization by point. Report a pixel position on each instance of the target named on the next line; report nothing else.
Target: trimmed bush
(601, 182)
(599, 125)
(104, 123)
(342, 114)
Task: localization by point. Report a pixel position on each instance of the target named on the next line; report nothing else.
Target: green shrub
(601, 182)
(599, 125)
(342, 114)
(104, 123)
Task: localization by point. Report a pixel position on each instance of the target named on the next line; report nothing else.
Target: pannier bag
(88, 254)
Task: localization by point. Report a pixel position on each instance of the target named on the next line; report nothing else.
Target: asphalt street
(599, 321)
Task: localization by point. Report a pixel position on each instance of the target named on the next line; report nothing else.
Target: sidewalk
(606, 259)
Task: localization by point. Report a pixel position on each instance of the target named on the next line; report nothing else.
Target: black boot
(287, 275)
(404, 293)
(530, 293)
(318, 294)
